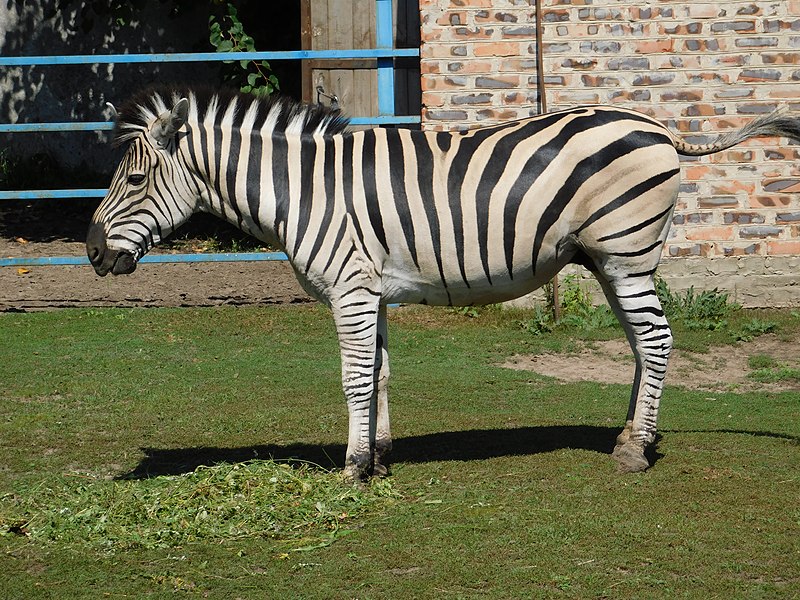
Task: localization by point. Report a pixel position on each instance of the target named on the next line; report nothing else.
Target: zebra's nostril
(95, 243)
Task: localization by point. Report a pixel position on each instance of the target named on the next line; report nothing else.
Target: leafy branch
(227, 34)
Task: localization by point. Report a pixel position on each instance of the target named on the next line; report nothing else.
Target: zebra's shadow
(475, 444)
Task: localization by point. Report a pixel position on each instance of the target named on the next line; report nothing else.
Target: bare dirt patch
(202, 284)
(723, 368)
(45, 229)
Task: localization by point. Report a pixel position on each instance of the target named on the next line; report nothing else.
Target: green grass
(767, 369)
(502, 486)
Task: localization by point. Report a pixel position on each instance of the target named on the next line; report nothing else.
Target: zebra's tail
(775, 124)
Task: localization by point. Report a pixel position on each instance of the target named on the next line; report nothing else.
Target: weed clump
(576, 308)
(706, 310)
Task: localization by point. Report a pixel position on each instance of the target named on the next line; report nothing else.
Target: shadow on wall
(79, 92)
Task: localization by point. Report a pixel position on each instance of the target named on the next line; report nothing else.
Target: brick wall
(701, 67)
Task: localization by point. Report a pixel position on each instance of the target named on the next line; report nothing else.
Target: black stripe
(638, 295)
(204, 152)
(639, 252)
(347, 189)
(335, 247)
(645, 309)
(280, 184)
(329, 175)
(659, 337)
(648, 273)
(368, 177)
(359, 288)
(231, 171)
(216, 134)
(424, 157)
(443, 140)
(467, 147)
(308, 150)
(126, 208)
(637, 227)
(254, 165)
(164, 183)
(192, 154)
(397, 177)
(346, 260)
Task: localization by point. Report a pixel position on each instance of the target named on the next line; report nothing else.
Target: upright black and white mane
(280, 113)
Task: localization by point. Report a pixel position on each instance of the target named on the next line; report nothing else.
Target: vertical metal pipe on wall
(384, 38)
(541, 97)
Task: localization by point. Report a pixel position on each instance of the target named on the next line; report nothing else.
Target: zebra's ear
(113, 109)
(169, 122)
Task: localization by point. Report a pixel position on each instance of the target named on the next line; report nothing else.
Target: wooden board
(346, 24)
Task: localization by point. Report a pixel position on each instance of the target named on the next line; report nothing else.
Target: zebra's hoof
(380, 470)
(356, 471)
(630, 459)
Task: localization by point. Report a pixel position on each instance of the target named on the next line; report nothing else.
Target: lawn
(502, 484)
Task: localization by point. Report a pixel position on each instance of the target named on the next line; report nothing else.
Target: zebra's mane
(281, 114)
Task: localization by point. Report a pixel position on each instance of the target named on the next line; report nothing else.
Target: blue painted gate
(384, 52)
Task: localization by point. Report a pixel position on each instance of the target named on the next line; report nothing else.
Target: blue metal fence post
(384, 39)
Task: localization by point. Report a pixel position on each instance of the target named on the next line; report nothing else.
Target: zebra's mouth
(116, 263)
(107, 260)
(124, 264)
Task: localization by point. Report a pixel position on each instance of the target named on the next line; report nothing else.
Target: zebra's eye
(136, 179)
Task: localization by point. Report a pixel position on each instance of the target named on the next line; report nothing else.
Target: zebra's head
(149, 195)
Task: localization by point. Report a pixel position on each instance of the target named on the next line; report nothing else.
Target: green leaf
(215, 34)
(252, 78)
(225, 46)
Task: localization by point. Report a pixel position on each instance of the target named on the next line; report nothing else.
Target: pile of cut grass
(298, 503)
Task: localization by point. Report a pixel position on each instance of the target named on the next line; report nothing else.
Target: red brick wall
(701, 67)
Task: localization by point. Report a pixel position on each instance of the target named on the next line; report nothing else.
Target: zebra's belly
(414, 288)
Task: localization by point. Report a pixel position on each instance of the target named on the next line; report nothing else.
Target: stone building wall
(701, 67)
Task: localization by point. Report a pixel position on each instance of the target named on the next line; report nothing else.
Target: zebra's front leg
(356, 317)
(635, 302)
(383, 434)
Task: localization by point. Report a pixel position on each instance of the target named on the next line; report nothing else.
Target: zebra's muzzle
(104, 259)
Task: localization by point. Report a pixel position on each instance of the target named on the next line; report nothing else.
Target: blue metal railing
(109, 125)
(149, 258)
(95, 59)
(384, 53)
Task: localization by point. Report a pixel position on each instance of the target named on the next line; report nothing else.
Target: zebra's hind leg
(634, 300)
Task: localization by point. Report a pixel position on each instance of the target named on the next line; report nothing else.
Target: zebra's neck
(254, 179)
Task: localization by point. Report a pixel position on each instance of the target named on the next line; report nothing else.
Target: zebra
(381, 216)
